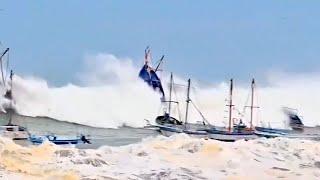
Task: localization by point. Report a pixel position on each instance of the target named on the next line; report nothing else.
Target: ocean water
(135, 153)
(99, 136)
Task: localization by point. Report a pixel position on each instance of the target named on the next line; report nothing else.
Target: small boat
(297, 129)
(295, 121)
(237, 131)
(59, 140)
(14, 132)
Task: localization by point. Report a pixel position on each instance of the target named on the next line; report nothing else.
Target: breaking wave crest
(109, 94)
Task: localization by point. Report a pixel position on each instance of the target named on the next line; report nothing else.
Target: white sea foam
(177, 157)
(110, 94)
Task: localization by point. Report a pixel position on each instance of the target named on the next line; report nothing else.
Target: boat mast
(252, 99)
(160, 61)
(188, 101)
(170, 93)
(11, 100)
(4, 53)
(1, 56)
(230, 104)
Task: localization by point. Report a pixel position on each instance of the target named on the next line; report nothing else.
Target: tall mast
(188, 101)
(170, 93)
(230, 104)
(1, 56)
(11, 100)
(252, 101)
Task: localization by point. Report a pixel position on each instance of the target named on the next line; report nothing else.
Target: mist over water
(110, 94)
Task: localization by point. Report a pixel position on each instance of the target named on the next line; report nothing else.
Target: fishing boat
(169, 125)
(296, 128)
(167, 118)
(59, 140)
(295, 121)
(234, 131)
(10, 130)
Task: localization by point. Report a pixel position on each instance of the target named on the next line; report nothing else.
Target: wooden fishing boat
(169, 125)
(236, 131)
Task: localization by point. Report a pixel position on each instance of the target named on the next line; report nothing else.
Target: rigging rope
(178, 107)
(197, 109)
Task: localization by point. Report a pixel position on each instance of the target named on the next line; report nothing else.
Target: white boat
(14, 132)
(238, 131)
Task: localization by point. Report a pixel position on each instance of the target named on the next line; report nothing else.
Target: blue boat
(271, 132)
(149, 74)
(59, 140)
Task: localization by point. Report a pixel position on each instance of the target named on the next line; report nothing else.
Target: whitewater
(109, 94)
(177, 157)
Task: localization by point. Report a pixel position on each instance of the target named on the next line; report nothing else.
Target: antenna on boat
(160, 61)
(230, 105)
(188, 101)
(147, 52)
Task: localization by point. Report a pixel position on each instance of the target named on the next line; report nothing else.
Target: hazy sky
(207, 40)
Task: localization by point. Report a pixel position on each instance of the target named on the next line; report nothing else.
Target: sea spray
(110, 94)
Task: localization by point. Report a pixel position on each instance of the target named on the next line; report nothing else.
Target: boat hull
(231, 136)
(171, 130)
(14, 132)
(55, 140)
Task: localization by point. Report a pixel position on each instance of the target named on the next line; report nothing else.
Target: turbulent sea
(177, 157)
(111, 104)
(133, 153)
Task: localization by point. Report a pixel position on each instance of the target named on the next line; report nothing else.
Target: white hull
(226, 137)
(169, 131)
(13, 132)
